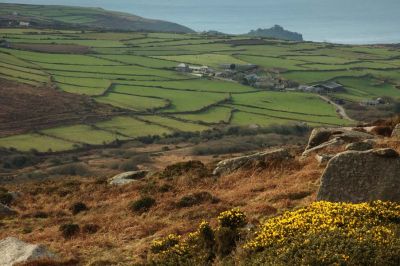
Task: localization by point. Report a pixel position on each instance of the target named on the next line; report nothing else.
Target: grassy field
(134, 72)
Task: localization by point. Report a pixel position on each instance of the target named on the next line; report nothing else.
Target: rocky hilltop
(277, 32)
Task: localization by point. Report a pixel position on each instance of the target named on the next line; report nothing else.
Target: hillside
(52, 16)
(261, 212)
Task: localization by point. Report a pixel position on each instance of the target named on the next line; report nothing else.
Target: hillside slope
(54, 16)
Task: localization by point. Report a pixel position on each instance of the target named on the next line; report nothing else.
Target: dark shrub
(6, 198)
(90, 228)
(73, 169)
(78, 207)
(50, 262)
(69, 230)
(142, 205)
(192, 168)
(196, 199)
(226, 239)
(40, 215)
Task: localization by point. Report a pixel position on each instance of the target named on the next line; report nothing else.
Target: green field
(135, 73)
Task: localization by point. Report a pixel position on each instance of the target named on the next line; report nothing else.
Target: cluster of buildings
(196, 70)
(323, 88)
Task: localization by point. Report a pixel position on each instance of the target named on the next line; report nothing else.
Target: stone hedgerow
(323, 233)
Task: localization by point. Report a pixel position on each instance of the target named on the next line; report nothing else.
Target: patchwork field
(133, 73)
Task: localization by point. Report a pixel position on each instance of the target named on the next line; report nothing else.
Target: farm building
(182, 67)
(331, 87)
(24, 24)
(377, 101)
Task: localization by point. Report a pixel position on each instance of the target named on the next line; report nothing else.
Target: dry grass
(123, 236)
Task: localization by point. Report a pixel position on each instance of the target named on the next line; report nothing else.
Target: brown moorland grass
(124, 236)
(23, 107)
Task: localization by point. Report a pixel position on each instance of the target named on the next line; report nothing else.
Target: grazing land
(103, 87)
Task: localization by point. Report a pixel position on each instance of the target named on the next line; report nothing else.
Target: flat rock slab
(361, 176)
(230, 165)
(13, 250)
(6, 211)
(359, 146)
(128, 177)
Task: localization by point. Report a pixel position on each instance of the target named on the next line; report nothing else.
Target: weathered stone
(230, 165)
(359, 146)
(323, 159)
(128, 177)
(321, 138)
(329, 143)
(396, 131)
(360, 176)
(15, 251)
(6, 211)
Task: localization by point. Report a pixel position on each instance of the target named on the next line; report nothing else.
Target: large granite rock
(6, 211)
(321, 138)
(359, 146)
(14, 251)
(128, 177)
(360, 176)
(230, 165)
(396, 131)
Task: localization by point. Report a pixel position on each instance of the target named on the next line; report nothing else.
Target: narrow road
(339, 108)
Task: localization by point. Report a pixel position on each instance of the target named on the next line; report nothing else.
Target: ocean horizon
(340, 21)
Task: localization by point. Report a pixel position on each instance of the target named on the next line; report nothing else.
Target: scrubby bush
(90, 228)
(203, 245)
(142, 205)
(5, 197)
(73, 169)
(195, 199)
(78, 207)
(195, 169)
(69, 230)
(321, 234)
(329, 234)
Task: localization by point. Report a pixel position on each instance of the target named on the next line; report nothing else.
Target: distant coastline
(331, 21)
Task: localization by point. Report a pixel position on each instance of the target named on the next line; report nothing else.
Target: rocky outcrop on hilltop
(361, 176)
(230, 165)
(15, 251)
(277, 32)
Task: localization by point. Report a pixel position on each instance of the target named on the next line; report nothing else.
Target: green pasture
(174, 124)
(214, 115)
(132, 102)
(83, 134)
(214, 60)
(181, 101)
(131, 127)
(38, 142)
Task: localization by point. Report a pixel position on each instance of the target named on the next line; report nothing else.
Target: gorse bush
(78, 207)
(329, 234)
(203, 245)
(233, 219)
(321, 234)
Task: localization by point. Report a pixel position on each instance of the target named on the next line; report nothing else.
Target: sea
(338, 21)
